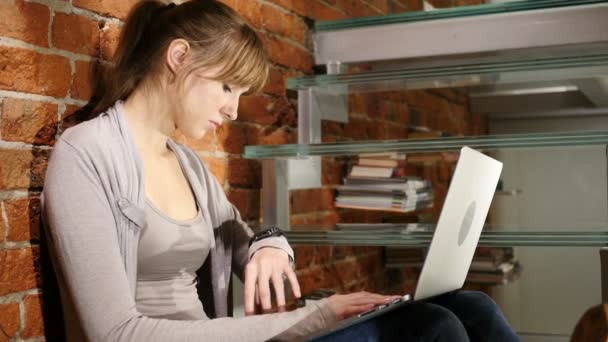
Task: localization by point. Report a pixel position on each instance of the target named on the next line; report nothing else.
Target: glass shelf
(421, 237)
(488, 142)
(521, 71)
(456, 12)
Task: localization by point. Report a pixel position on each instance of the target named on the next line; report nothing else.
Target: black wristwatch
(270, 232)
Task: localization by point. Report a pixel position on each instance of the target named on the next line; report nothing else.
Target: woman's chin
(197, 135)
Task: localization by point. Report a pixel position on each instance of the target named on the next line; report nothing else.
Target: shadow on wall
(52, 312)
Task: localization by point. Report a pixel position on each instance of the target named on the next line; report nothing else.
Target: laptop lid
(460, 223)
(455, 238)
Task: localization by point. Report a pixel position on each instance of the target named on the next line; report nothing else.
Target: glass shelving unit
(447, 13)
(522, 70)
(518, 236)
(494, 142)
(365, 56)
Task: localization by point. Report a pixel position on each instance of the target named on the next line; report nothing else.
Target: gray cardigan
(93, 202)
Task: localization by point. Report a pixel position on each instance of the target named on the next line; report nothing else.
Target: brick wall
(49, 50)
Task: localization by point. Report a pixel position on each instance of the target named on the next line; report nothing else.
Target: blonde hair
(218, 37)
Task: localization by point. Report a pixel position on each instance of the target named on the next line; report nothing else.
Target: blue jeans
(456, 316)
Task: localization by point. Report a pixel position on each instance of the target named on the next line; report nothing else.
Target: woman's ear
(176, 54)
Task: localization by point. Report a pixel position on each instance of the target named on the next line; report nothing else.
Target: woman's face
(205, 104)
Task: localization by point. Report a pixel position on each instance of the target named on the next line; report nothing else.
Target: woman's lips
(214, 124)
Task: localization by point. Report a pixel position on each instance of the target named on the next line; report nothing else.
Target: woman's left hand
(267, 265)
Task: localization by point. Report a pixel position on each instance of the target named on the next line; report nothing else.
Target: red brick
(23, 219)
(308, 200)
(19, 270)
(381, 5)
(396, 6)
(332, 128)
(320, 11)
(82, 86)
(22, 169)
(372, 262)
(26, 21)
(282, 23)
(270, 136)
(251, 11)
(258, 109)
(247, 202)
(348, 270)
(34, 325)
(323, 255)
(10, 321)
(245, 173)
(332, 172)
(277, 81)
(2, 228)
(31, 72)
(357, 103)
(285, 111)
(310, 280)
(441, 3)
(67, 120)
(342, 252)
(114, 8)
(303, 256)
(231, 138)
(83, 40)
(287, 54)
(356, 128)
(317, 278)
(354, 8)
(29, 121)
(304, 8)
(217, 166)
(110, 34)
(393, 131)
(414, 5)
(314, 221)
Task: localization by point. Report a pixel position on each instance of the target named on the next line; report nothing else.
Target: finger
(368, 298)
(279, 289)
(293, 281)
(357, 309)
(249, 292)
(258, 306)
(264, 289)
(257, 295)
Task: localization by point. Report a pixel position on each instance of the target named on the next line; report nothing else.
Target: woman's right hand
(348, 305)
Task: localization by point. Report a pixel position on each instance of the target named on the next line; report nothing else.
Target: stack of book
(490, 265)
(379, 182)
(494, 265)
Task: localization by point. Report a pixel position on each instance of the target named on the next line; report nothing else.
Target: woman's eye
(227, 88)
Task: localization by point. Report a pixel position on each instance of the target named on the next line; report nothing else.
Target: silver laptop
(456, 235)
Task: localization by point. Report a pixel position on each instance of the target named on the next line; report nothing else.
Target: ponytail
(134, 55)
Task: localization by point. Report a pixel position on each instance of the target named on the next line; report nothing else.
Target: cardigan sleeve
(83, 239)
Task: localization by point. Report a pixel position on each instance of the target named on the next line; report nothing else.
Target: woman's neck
(150, 120)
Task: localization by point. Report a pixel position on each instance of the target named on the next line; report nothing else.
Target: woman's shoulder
(91, 134)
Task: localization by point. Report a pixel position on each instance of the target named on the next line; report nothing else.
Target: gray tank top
(169, 254)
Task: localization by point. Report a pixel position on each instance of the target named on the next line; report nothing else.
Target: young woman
(141, 234)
